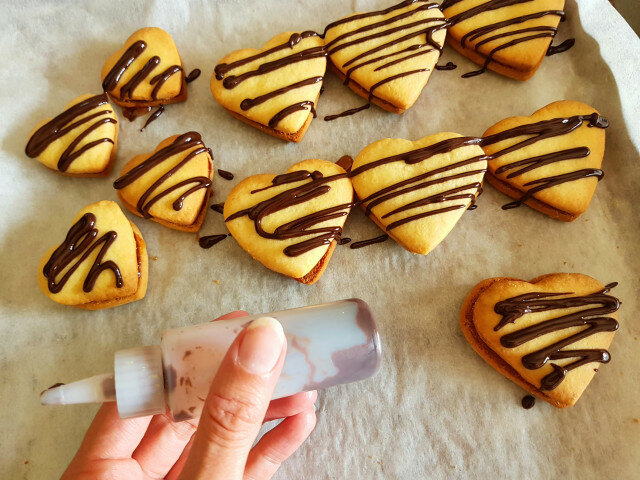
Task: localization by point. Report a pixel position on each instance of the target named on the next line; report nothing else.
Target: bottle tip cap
(53, 395)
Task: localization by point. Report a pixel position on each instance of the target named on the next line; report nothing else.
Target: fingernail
(261, 346)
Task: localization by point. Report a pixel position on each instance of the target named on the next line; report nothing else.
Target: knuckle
(232, 420)
(274, 456)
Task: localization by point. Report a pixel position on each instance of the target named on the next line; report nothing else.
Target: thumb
(237, 402)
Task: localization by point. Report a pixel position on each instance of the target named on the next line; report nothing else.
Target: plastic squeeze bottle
(328, 344)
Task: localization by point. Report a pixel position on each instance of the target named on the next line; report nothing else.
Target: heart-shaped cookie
(291, 222)
(510, 37)
(551, 160)
(81, 141)
(417, 191)
(146, 71)
(171, 185)
(101, 263)
(548, 335)
(276, 88)
(387, 56)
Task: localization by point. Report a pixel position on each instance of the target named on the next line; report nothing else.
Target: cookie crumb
(635, 420)
(26, 462)
(519, 244)
(217, 282)
(564, 263)
(154, 258)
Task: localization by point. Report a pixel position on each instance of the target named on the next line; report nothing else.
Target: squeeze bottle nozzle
(328, 344)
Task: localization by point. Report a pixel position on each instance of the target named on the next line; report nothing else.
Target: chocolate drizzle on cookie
(222, 72)
(535, 132)
(436, 176)
(392, 50)
(316, 185)
(78, 245)
(592, 318)
(540, 131)
(112, 79)
(480, 36)
(66, 122)
(191, 142)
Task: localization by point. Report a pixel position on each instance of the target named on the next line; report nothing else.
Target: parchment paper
(436, 409)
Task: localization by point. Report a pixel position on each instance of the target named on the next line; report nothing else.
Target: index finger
(110, 436)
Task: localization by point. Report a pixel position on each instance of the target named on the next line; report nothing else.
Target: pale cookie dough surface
(231, 98)
(423, 234)
(94, 160)
(159, 43)
(485, 319)
(572, 197)
(390, 48)
(200, 165)
(124, 252)
(522, 58)
(270, 252)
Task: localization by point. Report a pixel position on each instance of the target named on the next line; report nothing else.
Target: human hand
(237, 405)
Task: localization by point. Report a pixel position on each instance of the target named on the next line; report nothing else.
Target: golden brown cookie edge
(468, 329)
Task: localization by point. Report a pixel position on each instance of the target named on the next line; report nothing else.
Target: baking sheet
(436, 409)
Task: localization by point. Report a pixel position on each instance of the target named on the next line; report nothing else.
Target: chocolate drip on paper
(563, 47)
(447, 66)
(218, 207)
(592, 318)
(427, 27)
(153, 117)
(211, 240)
(369, 241)
(112, 79)
(224, 174)
(67, 121)
(188, 141)
(346, 113)
(229, 82)
(528, 401)
(316, 186)
(193, 74)
(131, 113)
(487, 32)
(78, 245)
